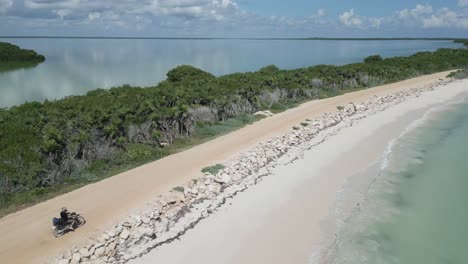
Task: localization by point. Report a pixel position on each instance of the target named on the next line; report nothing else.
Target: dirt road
(26, 236)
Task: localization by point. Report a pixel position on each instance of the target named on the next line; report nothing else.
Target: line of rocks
(181, 209)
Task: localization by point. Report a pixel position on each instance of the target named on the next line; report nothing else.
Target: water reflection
(75, 66)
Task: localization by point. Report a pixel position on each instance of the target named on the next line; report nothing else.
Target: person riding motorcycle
(65, 217)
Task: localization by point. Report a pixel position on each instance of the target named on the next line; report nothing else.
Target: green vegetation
(213, 169)
(55, 146)
(179, 189)
(373, 58)
(460, 74)
(13, 57)
(463, 41)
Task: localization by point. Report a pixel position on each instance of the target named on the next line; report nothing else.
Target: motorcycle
(59, 228)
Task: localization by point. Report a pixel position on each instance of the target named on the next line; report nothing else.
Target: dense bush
(373, 58)
(50, 143)
(460, 74)
(463, 41)
(12, 57)
(13, 53)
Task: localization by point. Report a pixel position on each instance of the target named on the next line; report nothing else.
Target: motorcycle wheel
(58, 233)
(79, 221)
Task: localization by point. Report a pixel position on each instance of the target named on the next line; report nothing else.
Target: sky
(234, 18)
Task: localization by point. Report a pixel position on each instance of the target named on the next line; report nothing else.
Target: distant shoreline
(227, 38)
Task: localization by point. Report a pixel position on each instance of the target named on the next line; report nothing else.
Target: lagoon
(76, 66)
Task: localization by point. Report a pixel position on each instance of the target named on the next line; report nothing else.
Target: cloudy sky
(235, 18)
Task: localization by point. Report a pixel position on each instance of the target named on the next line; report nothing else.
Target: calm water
(75, 66)
(416, 211)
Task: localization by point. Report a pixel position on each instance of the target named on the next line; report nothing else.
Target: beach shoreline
(263, 246)
(101, 213)
(291, 230)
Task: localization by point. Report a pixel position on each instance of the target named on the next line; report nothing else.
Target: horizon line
(234, 38)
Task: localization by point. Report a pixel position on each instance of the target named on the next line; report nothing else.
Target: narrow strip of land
(26, 235)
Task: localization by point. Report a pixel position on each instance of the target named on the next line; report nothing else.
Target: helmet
(64, 209)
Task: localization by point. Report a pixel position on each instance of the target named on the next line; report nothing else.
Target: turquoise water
(75, 66)
(416, 211)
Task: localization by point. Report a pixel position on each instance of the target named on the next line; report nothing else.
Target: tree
(373, 58)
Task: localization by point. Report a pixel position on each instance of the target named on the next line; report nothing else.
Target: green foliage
(373, 58)
(462, 41)
(460, 74)
(340, 107)
(179, 189)
(79, 139)
(187, 73)
(13, 57)
(213, 169)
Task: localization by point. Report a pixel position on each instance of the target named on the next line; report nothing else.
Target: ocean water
(75, 66)
(415, 212)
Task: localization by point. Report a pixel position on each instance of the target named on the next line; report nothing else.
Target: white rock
(99, 252)
(75, 258)
(125, 234)
(110, 249)
(84, 252)
(64, 261)
(111, 233)
(145, 220)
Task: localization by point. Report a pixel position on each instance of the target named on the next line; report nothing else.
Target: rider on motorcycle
(65, 217)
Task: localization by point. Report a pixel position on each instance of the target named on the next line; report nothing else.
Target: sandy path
(106, 202)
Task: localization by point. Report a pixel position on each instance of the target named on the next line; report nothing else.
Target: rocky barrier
(182, 208)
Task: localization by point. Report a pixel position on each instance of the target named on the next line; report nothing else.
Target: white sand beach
(291, 214)
(282, 219)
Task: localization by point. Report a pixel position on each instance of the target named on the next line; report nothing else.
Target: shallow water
(415, 211)
(75, 66)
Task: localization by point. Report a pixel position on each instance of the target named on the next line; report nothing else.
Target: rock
(99, 252)
(144, 232)
(110, 249)
(84, 253)
(75, 258)
(224, 179)
(172, 198)
(104, 238)
(207, 182)
(125, 234)
(128, 224)
(111, 233)
(146, 220)
(202, 188)
(64, 261)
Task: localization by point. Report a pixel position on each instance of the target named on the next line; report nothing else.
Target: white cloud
(416, 12)
(40, 4)
(5, 4)
(62, 13)
(94, 15)
(320, 12)
(350, 19)
(212, 18)
(445, 18)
